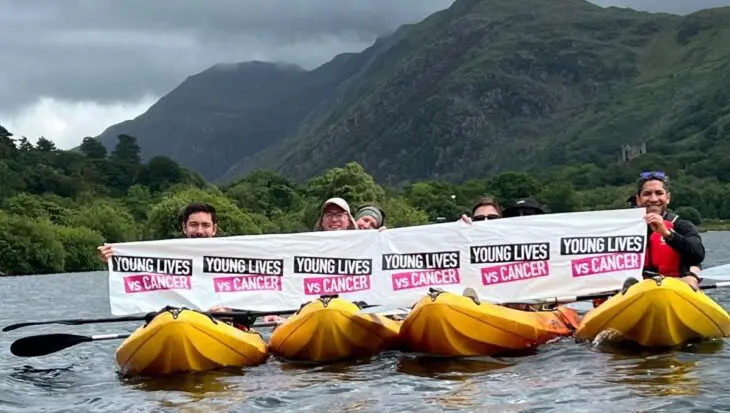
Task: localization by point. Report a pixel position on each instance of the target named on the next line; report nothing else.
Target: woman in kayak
(370, 216)
(674, 244)
(674, 247)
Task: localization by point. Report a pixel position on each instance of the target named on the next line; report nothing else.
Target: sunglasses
(653, 175)
(483, 217)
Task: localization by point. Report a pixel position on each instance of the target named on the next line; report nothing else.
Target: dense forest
(57, 206)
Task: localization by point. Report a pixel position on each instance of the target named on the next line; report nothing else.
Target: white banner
(504, 260)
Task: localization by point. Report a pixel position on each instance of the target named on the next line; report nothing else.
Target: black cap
(523, 203)
(631, 201)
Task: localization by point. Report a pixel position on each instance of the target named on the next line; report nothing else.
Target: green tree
(138, 202)
(435, 198)
(126, 151)
(29, 246)
(351, 183)
(93, 148)
(265, 192)
(160, 172)
(510, 186)
(399, 213)
(80, 248)
(559, 197)
(38, 207)
(111, 220)
(10, 181)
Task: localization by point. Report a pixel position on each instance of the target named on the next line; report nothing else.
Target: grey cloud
(119, 50)
(105, 50)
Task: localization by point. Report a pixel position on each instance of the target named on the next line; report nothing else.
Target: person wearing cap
(486, 208)
(674, 247)
(523, 207)
(370, 216)
(335, 215)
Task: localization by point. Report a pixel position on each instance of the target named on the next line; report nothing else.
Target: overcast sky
(70, 68)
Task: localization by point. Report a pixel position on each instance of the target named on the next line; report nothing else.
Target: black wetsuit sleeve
(688, 243)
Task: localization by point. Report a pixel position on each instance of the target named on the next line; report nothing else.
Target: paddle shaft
(80, 321)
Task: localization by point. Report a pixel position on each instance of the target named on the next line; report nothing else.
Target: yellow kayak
(187, 341)
(656, 314)
(448, 324)
(330, 329)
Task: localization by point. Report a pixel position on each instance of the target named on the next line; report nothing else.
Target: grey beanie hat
(371, 211)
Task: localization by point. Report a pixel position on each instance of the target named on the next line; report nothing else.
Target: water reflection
(447, 368)
(658, 372)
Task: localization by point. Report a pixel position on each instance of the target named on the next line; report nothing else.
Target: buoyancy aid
(659, 256)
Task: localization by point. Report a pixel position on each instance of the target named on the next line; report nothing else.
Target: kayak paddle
(575, 298)
(43, 344)
(80, 321)
(50, 343)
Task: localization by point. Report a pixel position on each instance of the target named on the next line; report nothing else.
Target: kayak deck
(656, 313)
(187, 341)
(330, 329)
(448, 324)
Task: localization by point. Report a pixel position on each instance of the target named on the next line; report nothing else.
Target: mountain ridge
(474, 89)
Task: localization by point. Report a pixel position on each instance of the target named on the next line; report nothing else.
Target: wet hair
(652, 176)
(486, 201)
(194, 208)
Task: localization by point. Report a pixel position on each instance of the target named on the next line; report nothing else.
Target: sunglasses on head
(483, 217)
(653, 175)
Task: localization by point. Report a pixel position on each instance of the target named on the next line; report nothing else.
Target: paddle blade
(41, 345)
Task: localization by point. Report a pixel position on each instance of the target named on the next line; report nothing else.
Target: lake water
(561, 377)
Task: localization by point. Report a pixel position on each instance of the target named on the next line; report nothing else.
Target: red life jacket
(660, 256)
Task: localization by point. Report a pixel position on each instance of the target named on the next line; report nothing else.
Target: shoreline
(714, 226)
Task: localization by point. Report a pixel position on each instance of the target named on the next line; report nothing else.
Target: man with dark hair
(197, 220)
(486, 208)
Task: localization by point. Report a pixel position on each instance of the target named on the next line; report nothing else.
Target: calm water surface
(561, 377)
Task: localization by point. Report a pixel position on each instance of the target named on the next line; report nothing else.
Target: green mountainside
(479, 88)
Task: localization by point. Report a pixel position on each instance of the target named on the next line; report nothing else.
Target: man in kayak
(486, 208)
(335, 215)
(674, 247)
(198, 220)
(523, 207)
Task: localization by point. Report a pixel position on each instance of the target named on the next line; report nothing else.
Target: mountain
(481, 87)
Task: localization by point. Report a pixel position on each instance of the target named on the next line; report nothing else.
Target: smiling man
(674, 244)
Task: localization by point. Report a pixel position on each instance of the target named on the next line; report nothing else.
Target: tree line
(57, 206)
